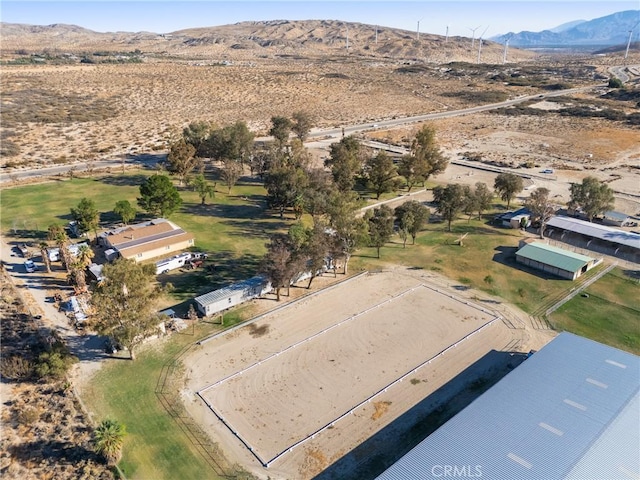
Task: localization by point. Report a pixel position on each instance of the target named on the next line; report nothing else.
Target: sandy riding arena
(309, 382)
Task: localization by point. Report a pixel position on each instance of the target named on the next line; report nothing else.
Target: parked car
(29, 266)
(23, 250)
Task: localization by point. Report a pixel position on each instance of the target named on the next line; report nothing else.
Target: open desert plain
(340, 382)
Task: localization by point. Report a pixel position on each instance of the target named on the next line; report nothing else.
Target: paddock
(339, 362)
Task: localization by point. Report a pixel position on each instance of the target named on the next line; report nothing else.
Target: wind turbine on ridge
(473, 34)
(626, 53)
(480, 42)
(418, 30)
(506, 47)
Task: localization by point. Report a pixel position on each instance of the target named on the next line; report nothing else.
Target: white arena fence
(267, 463)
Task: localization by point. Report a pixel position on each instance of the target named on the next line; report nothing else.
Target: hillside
(247, 40)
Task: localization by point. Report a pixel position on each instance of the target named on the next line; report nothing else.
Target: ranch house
(146, 240)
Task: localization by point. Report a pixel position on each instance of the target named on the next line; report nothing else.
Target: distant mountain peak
(566, 26)
(604, 31)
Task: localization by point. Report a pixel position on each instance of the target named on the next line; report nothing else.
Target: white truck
(177, 261)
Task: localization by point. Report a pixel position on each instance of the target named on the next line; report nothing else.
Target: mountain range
(604, 31)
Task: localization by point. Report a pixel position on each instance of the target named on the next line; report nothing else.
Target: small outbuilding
(515, 219)
(219, 300)
(554, 260)
(617, 219)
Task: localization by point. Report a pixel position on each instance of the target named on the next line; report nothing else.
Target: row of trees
(337, 235)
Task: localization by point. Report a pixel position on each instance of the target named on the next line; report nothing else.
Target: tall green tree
(449, 201)
(350, 230)
(411, 169)
(79, 265)
(125, 210)
(593, 196)
(281, 263)
(345, 162)
(125, 303)
(202, 187)
(315, 250)
(59, 236)
(45, 257)
(231, 173)
(181, 159)
(412, 216)
(429, 159)
(232, 142)
(302, 123)
(381, 174)
(108, 439)
(380, 227)
(508, 185)
(196, 134)
(287, 179)
(541, 207)
(159, 196)
(87, 215)
(482, 198)
(280, 130)
(317, 195)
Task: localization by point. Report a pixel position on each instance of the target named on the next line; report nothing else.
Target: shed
(554, 260)
(513, 219)
(617, 219)
(232, 295)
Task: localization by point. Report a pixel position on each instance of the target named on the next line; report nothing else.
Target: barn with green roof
(554, 260)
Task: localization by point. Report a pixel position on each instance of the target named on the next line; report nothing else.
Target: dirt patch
(380, 408)
(322, 356)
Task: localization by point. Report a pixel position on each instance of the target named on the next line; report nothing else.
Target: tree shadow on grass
(31, 235)
(124, 181)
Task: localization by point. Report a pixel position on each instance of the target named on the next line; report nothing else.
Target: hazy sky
(501, 16)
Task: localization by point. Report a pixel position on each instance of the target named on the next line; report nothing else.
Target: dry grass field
(304, 385)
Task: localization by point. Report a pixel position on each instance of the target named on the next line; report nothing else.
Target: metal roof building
(232, 295)
(602, 232)
(591, 236)
(554, 260)
(569, 412)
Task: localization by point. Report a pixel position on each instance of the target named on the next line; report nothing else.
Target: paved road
(317, 135)
(141, 160)
(397, 122)
(623, 72)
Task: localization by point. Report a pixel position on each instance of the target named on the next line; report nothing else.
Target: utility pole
(347, 37)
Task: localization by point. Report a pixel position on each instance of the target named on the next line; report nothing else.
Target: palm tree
(108, 439)
(58, 235)
(79, 265)
(45, 256)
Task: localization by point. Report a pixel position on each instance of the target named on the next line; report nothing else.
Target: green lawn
(234, 229)
(610, 314)
(485, 262)
(156, 447)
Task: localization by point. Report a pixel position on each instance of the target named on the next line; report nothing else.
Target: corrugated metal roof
(554, 256)
(613, 215)
(596, 231)
(554, 417)
(226, 292)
